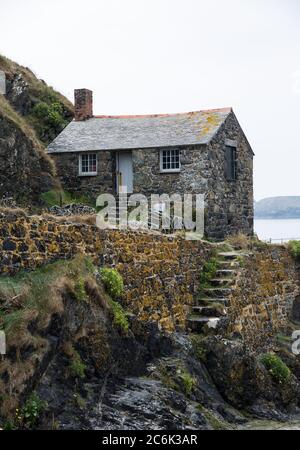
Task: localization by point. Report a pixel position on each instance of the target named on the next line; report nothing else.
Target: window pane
(89, 163)
(230, 158)
(170, 159)
(92, 163)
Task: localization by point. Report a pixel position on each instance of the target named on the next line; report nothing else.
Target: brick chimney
(83, 104)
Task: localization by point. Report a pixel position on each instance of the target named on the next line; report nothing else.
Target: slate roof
(129, 132)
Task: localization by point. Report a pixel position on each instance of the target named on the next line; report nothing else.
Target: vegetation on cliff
(31, 115)
(294, 247)
(44, 110)
(29, 301)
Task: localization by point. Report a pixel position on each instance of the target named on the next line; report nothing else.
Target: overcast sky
(159, 56)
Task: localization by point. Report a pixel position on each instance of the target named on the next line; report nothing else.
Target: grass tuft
(294, 248)
(276, 367)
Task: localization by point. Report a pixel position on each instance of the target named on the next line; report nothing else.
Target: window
(230, 163)
(88, 164)
(170, 160)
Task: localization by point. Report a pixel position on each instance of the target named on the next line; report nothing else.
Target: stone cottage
(197, 152)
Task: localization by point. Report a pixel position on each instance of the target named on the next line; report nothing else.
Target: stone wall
(161, 273)
(67, 165)
(229, 203)
(263, 298)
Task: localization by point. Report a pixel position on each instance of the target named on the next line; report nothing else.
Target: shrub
(48, 118)
(294, 247)
(30, 412)
(189, 382)
(112, 281)
(276, 367)
(120, 318)
(208, 272)
(77, 366)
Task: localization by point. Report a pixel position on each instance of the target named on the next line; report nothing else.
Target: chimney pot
(83, 104)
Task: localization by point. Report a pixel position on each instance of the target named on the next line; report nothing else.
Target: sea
(277, 230)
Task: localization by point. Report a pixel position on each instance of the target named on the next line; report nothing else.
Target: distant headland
(278, 208)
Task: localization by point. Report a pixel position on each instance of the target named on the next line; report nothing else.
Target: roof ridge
(136, 116)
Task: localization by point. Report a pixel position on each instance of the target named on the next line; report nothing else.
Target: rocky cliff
(31, 115)
(83, 354)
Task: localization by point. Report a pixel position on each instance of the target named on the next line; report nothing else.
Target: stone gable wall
(229, 203)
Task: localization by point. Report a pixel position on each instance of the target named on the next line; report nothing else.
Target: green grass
(112, 281)
(294, 247)
(80, 291)
(276, 367)
(35, 291)
(189, 382)
(77, 367)
(119, 316)
(213, 420)
(208, 273)
(283, 339)
(57, 197)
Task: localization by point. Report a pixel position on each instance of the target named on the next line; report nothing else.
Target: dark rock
(8, 244)
(243, 380)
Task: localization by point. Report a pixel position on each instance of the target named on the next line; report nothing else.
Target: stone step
(210, 311)
(228, 265)
(221, 282)
(206, 301)
(225, 273)
(197, 324)
(228, 255)
(217, 292)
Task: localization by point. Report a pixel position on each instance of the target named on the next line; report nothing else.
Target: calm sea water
(284, 229)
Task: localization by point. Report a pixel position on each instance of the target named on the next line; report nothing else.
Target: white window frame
(87, 174)
(174, 170)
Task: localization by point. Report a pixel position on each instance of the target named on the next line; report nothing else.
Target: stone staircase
(213, 301)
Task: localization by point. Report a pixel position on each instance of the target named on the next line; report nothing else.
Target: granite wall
(264, 296)
(67, 167)
(161, 273)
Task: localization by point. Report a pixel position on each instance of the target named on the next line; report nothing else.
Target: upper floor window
(170, 160)
(88, 164)
(230, 163)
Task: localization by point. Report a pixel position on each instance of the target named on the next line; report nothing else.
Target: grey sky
(149, 56)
